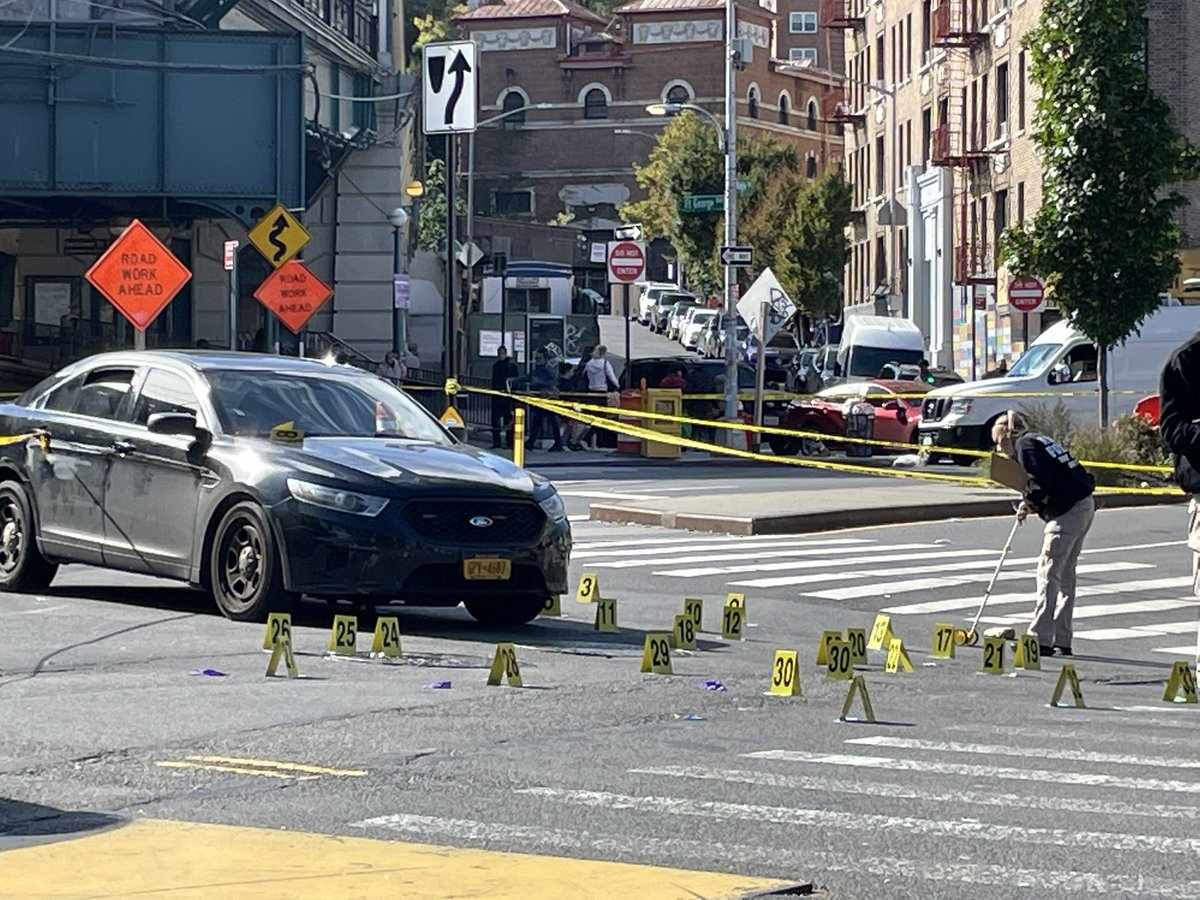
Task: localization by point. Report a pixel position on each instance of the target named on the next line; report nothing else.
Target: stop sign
(1026, 294)
(626, 261)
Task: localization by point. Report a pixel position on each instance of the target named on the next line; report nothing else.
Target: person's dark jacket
(1057, 480)
(543, 379)
(502, 370)
(1179, 412)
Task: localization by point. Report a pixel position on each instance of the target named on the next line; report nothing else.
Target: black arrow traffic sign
(459, 68)
(736, 256)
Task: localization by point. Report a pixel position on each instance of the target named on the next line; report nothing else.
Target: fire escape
(959, 141)
(843, 14)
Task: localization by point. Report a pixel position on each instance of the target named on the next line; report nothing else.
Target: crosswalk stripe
(1040, 753)
(1044, 776)
(908, 792)
(1136, 631)
(857, 592)
(1187, 651)
(1105, 609)
(817, 578)
(723, 542)
(829, 554)
(841, 562)
(911, 825)
(768, 857)
(1087, 591)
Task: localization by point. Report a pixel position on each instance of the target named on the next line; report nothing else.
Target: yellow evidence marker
(606, 614)
(881, 633)
(897, 658)
(656, 654)
(733, 620)
(278, 626)
(993, 655)
(683, 635)
(858, 686)
(1029, 654)
(735, 599)
(504, 665)
(857, 639)
(552, 606)
(1065, 677)
(827, 638)
(943, 642)
(839, 664)
(785, 674)
(283, 650)
(343, 636)
(694, 609)
(387, 637)
(589, 588)
(1181, 680)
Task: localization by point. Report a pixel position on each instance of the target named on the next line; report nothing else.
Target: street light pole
(731, 366)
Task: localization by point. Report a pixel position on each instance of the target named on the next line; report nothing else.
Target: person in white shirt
(599, 371)
(391, 368)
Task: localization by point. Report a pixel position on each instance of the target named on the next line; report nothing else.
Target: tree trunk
(1102, 375)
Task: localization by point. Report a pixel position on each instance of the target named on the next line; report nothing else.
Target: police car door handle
(121, 448)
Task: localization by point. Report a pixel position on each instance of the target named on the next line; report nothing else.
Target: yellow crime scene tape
(42, 438)
(610, 418)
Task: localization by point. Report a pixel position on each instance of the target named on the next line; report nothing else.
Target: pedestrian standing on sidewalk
(1059, 490)
(600, 380)
(503, 369)
(1179, 425)
(543, 380)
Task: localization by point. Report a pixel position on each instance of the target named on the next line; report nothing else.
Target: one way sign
(450, 73)
(736, 256)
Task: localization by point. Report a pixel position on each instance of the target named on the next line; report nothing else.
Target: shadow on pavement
(25, 824)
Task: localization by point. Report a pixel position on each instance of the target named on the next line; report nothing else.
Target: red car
(896, 417)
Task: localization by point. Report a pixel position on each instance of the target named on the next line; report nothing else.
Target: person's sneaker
(557, 448)
(1063, 651)
(1046, 651)
(577, 447)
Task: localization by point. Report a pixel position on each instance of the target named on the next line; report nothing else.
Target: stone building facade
(957, 157)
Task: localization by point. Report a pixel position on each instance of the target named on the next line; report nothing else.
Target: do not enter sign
(626, 261)
(1026, 294)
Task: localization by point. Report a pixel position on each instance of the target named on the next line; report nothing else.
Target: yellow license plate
(487, 568)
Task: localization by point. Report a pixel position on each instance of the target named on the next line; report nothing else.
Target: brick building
(581, 81)
(958, 157)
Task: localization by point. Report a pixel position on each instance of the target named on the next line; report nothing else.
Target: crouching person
(1059, 490)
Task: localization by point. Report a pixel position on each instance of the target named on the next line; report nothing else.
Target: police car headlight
(961, 406)
(553, 506)
(336, 499)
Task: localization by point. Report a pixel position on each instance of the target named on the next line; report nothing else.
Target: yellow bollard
(518, 440)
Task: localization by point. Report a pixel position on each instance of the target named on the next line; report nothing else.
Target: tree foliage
(428, 21)
(796, 228)
(431, 223)
(1105, 237)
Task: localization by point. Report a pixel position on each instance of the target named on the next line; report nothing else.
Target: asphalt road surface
(966, 783)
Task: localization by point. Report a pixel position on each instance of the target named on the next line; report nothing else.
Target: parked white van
(871, 342)
(650, 292)
(1061, 364)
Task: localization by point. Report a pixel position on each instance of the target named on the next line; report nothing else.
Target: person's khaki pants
(1056, 574)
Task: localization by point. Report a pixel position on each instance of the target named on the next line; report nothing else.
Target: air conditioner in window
(1003, 131)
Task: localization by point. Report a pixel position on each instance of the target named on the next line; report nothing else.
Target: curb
(835, 520)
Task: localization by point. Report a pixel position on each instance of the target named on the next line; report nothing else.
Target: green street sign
(698, 203)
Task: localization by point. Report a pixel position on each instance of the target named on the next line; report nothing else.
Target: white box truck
(1060, 365)
(871, 342)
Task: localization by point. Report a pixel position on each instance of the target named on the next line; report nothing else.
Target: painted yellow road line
(275, 764)
(182, 861)
(236, 770)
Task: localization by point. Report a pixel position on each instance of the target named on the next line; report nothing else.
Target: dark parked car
(261, 478)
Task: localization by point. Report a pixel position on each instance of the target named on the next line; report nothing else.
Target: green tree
(431, 223)
(687, 161)
(428, 21)
(1105, 237)
(810, 252)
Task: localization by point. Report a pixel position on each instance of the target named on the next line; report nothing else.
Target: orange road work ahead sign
(293, 293)
(139, 275)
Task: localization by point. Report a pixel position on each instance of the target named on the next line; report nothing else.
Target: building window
(926, 134)
(1000, 214)
(513, 101)
(678, 94)
(1021, 201)
(926, 29)
(880, 166)
(1002, 100)
(880, 69)
(784, 109)
(513, 203)
(811, 123)
(800, 54)
(752, 102)
(811, 167)
(908, 45)
(802, 23)
(1021, 91)
(595, 104)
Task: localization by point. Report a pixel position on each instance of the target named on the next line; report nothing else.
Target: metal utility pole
(731, 364)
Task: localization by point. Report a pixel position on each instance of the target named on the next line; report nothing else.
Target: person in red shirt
(673, 379)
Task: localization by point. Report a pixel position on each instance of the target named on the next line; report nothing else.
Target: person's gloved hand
(1023, 511)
